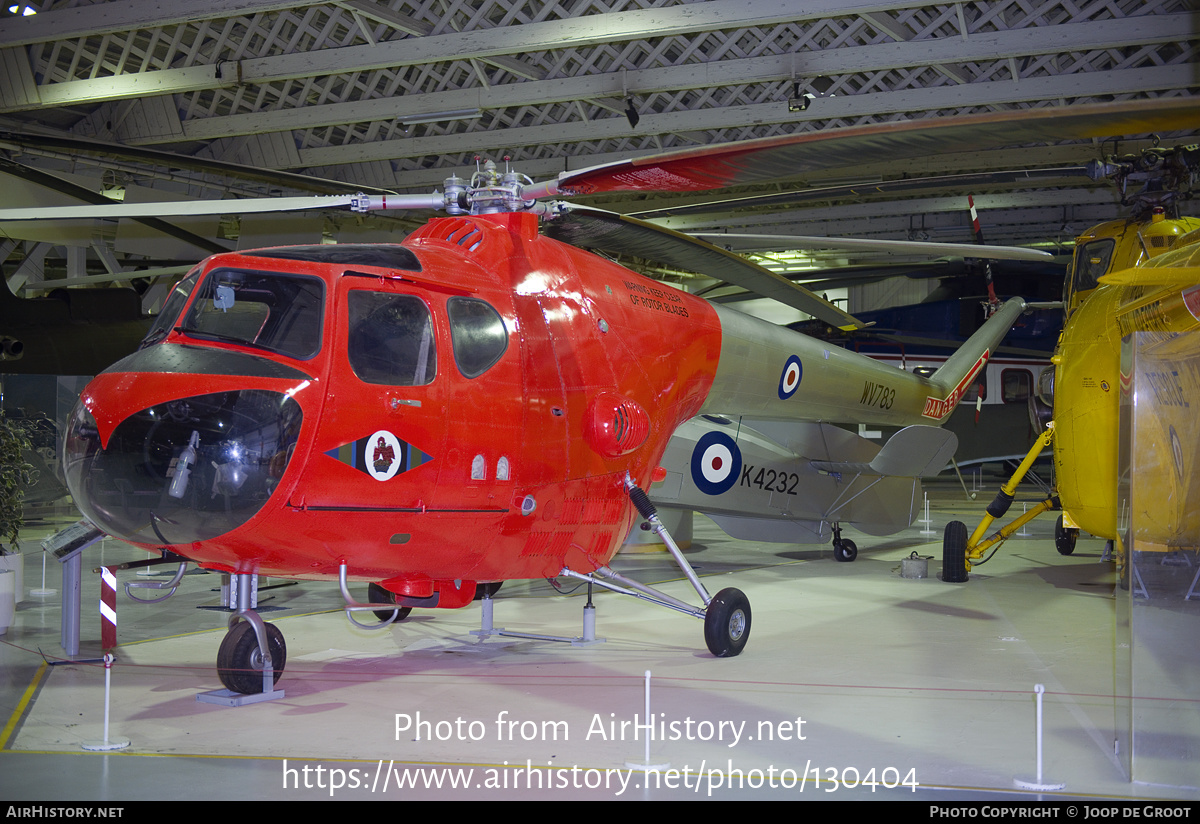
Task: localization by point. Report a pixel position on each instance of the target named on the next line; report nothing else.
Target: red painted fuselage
(461, 408)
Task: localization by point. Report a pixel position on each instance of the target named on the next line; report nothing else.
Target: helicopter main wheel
(727, 623)
(1064, 537)
(239, 662)
(954, 553)
(378, 595)
(845, 550)
(487, 590)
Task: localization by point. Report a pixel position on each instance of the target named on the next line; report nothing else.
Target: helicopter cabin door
(383, 429)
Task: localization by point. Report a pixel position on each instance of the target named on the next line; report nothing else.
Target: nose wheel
(240, 662)
(251, 657)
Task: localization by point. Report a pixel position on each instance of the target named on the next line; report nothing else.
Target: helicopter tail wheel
(1064, 537)
(239, 662)
(845, 550)
(954, 553)
(727, 623)
(378, 595)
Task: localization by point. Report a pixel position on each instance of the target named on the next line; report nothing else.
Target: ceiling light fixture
(817, 87)
(438, 117)
(631, 114)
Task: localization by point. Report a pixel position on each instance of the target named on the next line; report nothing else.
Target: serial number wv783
(877, 394)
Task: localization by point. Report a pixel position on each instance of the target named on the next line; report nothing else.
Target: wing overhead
(597, 229)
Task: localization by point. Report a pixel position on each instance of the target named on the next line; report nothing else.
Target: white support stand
(1191, 593)
(926, 520)
(229, 698)
(42, 591)
(645, 765)
(107, 744)
(487, 629)
(1139, 586)
(1038, 783)
(1024, 533)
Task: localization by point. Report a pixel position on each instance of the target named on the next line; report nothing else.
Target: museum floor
(849, 669)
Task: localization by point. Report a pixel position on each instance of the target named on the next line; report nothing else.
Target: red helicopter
(482, 402)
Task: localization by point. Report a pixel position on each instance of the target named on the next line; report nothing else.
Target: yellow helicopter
(1133, 284)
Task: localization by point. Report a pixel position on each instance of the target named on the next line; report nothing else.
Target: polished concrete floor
(907, 688)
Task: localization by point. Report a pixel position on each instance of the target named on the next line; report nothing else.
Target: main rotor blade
(911, 247)
(192, 208)
(75, 146)
(879, 187)
(773, 158)
(57, 184)
(597, 229)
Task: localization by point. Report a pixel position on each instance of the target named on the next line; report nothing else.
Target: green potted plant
(14, 477)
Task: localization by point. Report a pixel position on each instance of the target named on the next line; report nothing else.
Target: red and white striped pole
(108, 607)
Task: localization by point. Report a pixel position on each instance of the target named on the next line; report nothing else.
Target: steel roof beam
(480, 43)
(129, 15)
(998, 45)
(1091, 84)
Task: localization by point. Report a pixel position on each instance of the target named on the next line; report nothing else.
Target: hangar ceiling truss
(397, 94)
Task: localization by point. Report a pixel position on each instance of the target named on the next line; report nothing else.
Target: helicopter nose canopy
(186, 470)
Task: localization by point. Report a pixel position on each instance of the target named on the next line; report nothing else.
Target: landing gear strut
(726, 617)
(959, 552)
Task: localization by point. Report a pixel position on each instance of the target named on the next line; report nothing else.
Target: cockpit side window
(171, 309)
(1091, 261)
(478, 335)
(391, 339)
(274, 311)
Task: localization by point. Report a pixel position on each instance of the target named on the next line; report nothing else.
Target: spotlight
(817, 87)
(798, 102)
(631, 114)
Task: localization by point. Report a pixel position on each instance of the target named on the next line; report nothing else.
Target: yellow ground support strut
(977, 546)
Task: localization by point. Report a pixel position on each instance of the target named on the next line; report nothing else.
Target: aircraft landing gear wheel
(239, 662)
(954, 553)
(1064, 537)
(727, 623)
(845, 550)
(487, 590)
(378, 595)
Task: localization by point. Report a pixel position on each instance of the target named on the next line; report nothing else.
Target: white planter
(8, 603)
(16, 563)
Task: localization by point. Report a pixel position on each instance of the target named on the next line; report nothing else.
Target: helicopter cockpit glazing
(273, 311)
(1092, 260)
